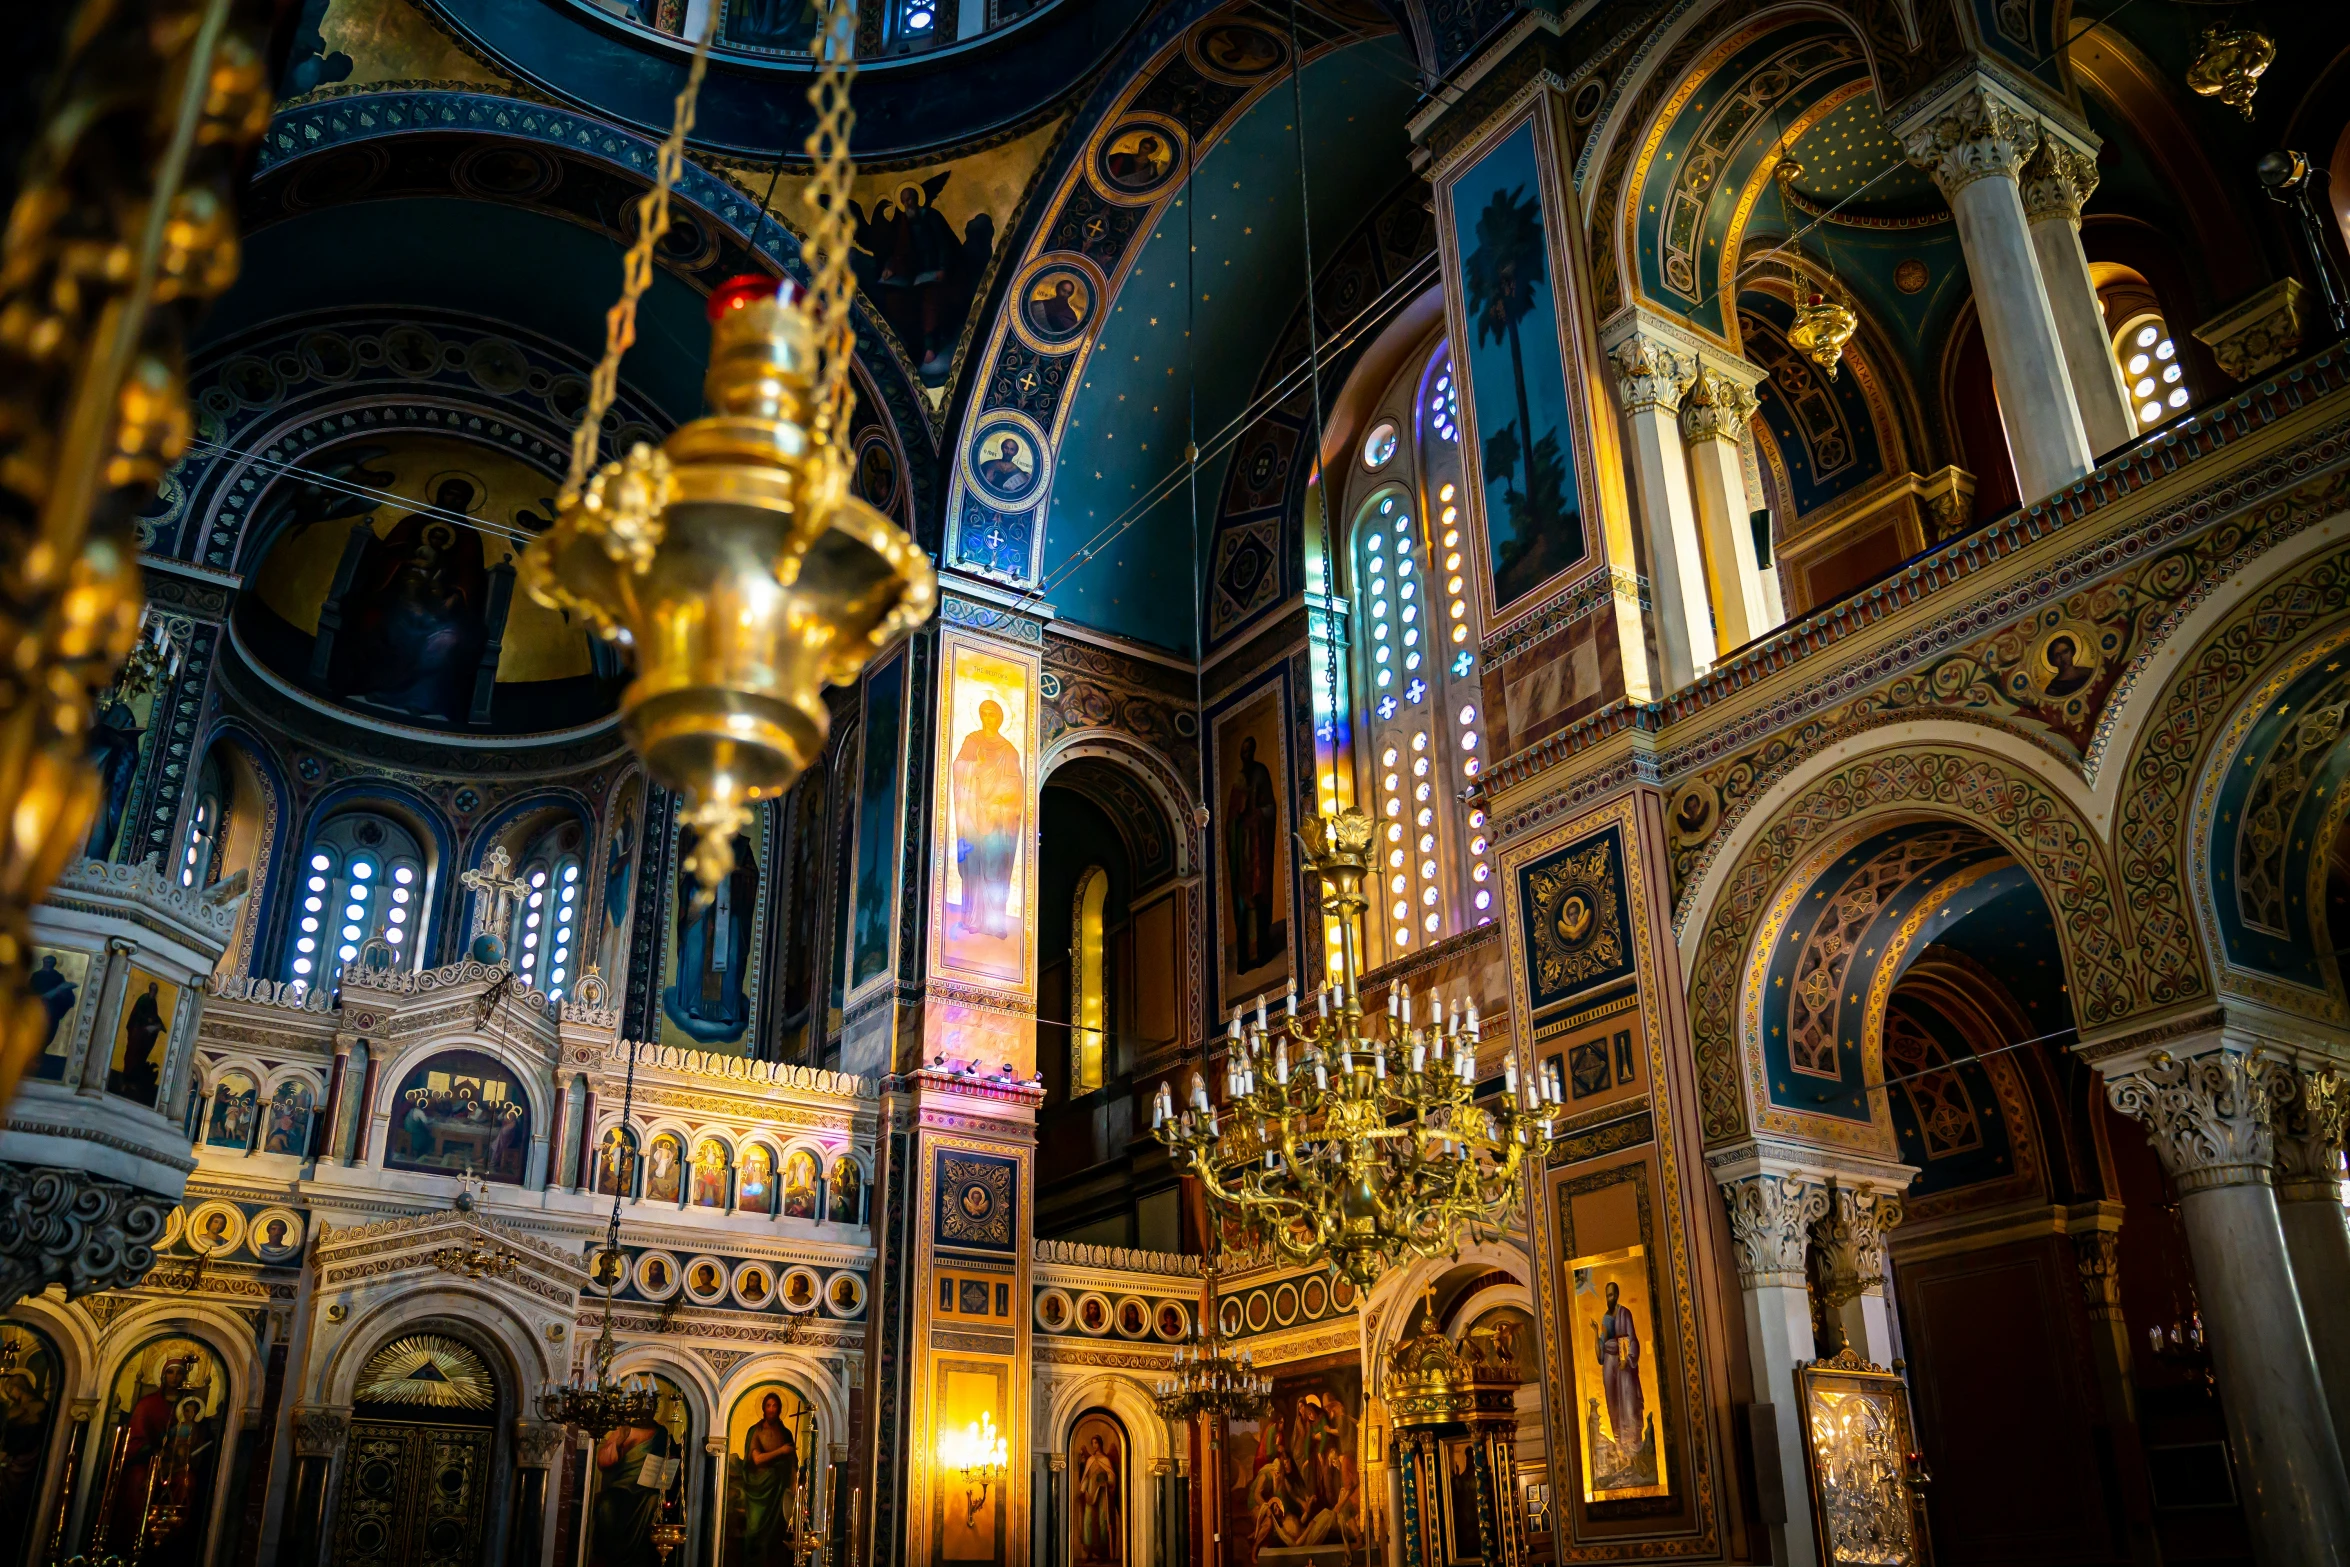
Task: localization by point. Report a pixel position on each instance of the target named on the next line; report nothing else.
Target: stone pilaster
(1850, 1237)
(1771, 1219)
(1975, 141)
(2208, 1111)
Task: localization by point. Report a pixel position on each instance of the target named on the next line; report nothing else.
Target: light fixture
(1366, 1147)
(979, 1455)
(1207, 1381)
(1823, 325)
(595, 1407)
(2230, 64)
(733, 558)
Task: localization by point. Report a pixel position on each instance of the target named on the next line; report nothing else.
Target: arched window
(1089, 1008)
(2152, 370)
(200, 860)
(1415, 639)
(362, 877)
(545, 938)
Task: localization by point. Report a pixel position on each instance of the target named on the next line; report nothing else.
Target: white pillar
(1771, 1216)
(1650, 378)
(2206, 1110)
(2313, 1115)
(2056, 183)
(1714, 415)
(1974, 143)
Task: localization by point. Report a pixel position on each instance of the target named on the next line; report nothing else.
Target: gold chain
(636, 271)
(830, 227)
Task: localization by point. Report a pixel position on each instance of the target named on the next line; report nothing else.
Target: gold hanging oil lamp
(2230, 64)
(1823, 325)
(732, 558)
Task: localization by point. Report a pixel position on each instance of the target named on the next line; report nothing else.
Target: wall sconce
(977, 1452)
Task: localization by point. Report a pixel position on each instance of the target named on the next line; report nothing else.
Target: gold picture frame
(1859, 1450)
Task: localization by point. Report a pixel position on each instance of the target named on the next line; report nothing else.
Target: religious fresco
(148, 1005)
(665, 1169)
(632, 1468)
(878, 828)
(926, 238)
(770, 1475)
(710, 985)
(1514, 372)
(799, 1184)
(1098, 1491)
(285, 1126)
(1612, 1312)
(616, 1162)
(32, 1384)
(161, 1440)
(461, 1110)
(59, 973)
(1141, 156)
(987, 808)
(710, 1172)
(755, 1191)
(118, 737)
(230, 1125)
(848, 1190)
(1293, 1491)
(1253, 810)
(623, 837)
(406, 609)
(1057, 300)
(1004, 461)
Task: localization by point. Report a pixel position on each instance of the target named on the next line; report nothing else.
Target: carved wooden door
(413, 1495)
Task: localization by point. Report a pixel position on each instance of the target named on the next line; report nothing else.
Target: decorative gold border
(1703, 1502)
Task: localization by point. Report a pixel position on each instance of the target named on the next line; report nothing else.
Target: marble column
(1714, 415)
(1771, 1219)
(1850, 1235)
(1974, 142)
(2095, 1232)
(2207, 1111)
(1650, 378)
(2056, 182)
(2313, 1114)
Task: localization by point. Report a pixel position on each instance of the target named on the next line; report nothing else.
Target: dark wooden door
(413, 1495)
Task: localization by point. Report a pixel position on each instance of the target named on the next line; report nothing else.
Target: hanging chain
(1321, 480)
(636, 272)
(831, 229)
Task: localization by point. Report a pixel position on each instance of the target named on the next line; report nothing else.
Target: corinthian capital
(1770, 1221)
(2208, 1116)
(1716, 407)
(1650, 374)
(1851, 1234)
(2057, 180)
(1975, 135)
(2312, 1118)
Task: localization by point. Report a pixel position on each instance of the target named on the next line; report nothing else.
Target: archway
(420, 1469)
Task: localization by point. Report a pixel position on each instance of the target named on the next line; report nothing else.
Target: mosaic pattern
(2036, 825)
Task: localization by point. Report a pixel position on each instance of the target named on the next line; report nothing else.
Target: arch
(254, 839)
(220, 1331)
(404, 807)
(1161, 784)
(1060, 1404)
(2155, 825)
(804, 1373)
(68, 1335)
(435, 1156)
(1829, 804)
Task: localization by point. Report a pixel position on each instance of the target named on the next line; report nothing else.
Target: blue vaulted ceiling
(1127, 423)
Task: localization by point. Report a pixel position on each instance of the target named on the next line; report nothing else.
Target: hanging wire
(1199, 607)
(357, 491)
(1316, 479)
(1980, 1055)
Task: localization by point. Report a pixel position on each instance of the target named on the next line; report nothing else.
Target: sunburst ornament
(437, 1372)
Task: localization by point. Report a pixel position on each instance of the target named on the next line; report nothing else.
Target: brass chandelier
(733, 558)
(1343, 1142)
(1209, 1382)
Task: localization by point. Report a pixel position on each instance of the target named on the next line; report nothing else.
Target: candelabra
(1207, 1381)
(1350, 1143)
(978, 1453)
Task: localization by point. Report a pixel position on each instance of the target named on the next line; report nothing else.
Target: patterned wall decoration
(1111, 193)
(1826, 443)
(977, 1198)
(1088, 687)
(1577, 918)
(1279, 1303)
(2264, 828)
(2036, 825)
(2056, 676)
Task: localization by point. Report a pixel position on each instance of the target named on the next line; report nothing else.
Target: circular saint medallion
(1285, 1304)
(844, 1293)
(1093, 1314)
(1228, 1316)
(1053, 1311)
(1172, 1320)
(215, 1229)
(1140, 157)
(1238, 52)
(1260, 1311)
(800, 1288)
(705, 1281)
(1315, 1296)
(877, 473)
(1134, 1317)
(656, 1274)
(1056, 301)
(1004, 463)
